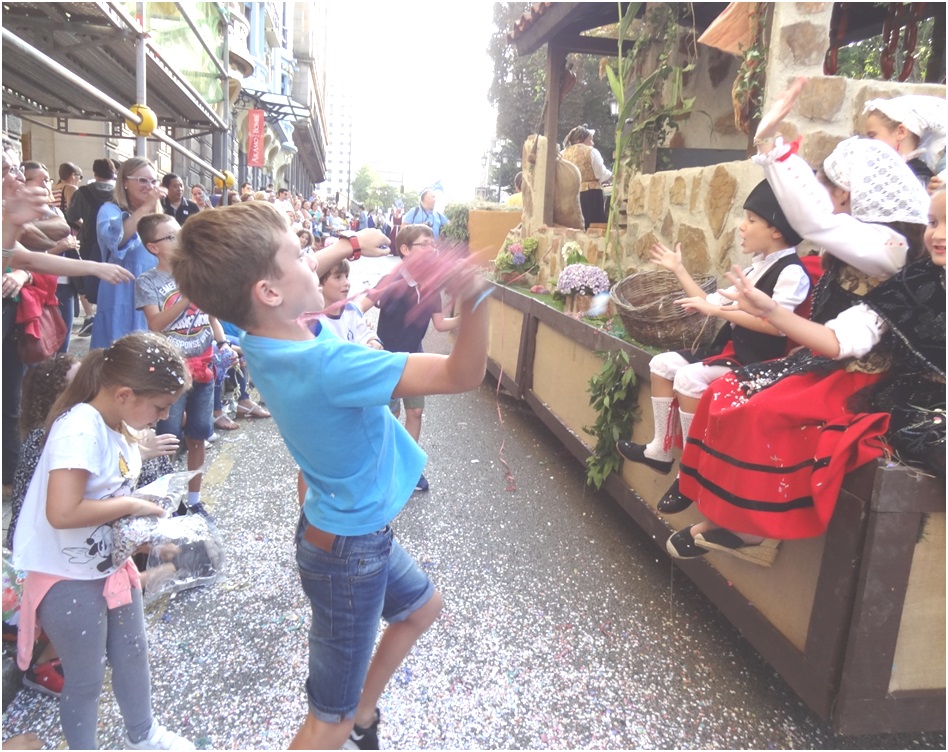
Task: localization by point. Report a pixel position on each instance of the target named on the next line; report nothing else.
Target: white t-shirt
(79, 439)
(350, 325)
(284, 206)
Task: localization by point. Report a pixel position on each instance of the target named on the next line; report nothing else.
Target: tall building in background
(339, 111)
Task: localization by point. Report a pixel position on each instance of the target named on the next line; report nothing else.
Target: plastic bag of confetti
(131, 533)
(184, 552)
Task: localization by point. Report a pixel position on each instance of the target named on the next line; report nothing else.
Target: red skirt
(772, 464)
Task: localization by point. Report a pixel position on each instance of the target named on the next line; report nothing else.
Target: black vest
(750, 346)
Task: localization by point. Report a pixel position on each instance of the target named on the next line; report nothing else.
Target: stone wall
(700, 208)
(711, 123)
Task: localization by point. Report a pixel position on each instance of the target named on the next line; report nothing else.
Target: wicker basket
(646, 304)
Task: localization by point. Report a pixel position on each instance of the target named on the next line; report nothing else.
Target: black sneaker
(200, 509)
(673, 502)
(86, 329)
(364, 738)
(682, 545)
(636, 453)
(421, 485)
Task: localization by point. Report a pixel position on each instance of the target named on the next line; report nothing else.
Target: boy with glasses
(404, 312)
(193, 332)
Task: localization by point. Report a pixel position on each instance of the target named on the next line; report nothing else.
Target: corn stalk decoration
(644, 116)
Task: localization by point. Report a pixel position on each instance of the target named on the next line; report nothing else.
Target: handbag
(52, 333)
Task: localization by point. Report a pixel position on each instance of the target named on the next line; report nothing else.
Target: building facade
(71, 70)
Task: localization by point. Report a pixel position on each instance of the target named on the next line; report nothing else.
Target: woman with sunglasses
(138, 192)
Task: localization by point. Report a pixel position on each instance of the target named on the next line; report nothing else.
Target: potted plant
(579, 284)
(572, 253)
(516, 263)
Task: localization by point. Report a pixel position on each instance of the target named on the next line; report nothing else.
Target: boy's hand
(665, 257)
(748, 298)
(371, 241)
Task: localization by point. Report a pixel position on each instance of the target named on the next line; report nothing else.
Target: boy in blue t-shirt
(330, 399)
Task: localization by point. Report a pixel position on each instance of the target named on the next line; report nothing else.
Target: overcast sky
(419, 74)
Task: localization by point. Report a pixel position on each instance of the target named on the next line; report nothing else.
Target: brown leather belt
(319, 538)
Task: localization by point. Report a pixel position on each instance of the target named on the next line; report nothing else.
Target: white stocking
(661, 412)
(685, 419)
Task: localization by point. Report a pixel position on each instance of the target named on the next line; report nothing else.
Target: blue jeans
(363, 579)
(198, 401)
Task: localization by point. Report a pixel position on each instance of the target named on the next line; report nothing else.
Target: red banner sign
(255, 138)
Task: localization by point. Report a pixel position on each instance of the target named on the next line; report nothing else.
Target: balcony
(241, 60)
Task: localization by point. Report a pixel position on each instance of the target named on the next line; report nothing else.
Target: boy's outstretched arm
(371, 243)
(464, 368)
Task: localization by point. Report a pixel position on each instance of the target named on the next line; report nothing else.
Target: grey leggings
(84, 632)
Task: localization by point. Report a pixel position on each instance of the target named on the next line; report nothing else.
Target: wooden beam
(601, 46)
(543, 27)
(555, 62)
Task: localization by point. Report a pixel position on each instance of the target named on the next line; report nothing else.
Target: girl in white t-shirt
(89, 604)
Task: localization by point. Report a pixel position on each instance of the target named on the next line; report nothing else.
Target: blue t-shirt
(419, 216)
(330, 401)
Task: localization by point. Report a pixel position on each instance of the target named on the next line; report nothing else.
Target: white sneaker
(160, 738)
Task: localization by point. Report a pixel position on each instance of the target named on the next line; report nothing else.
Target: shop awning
(276, 106)
(98, 42)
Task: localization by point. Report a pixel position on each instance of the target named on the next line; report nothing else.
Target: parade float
(853, 621)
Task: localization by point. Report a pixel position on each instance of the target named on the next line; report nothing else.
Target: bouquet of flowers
(572, 253)
(582, 279)
(519, 256)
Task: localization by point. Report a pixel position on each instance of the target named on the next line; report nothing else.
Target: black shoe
(681, 545)
(719, 539)
(421, 485)
(673, 502)
(364, 738)
(86, 329)
(636, 453)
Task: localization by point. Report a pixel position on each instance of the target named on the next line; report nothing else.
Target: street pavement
(564, 625)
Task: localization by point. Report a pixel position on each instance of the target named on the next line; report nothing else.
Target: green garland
(614, 395)
(748, 92)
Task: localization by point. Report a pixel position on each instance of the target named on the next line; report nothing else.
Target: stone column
(799, 40)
